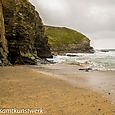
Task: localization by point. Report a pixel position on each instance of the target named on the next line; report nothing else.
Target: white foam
(98, 60)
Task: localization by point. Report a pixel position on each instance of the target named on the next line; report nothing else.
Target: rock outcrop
(24, 32)
(65, 40)
(3, 41)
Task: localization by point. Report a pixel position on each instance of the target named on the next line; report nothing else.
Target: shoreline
(25, 87)
(98, 81)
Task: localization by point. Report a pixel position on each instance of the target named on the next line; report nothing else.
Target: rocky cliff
(3, 41)
(63, 40)
(22, 33)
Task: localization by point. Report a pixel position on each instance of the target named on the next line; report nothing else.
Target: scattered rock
(86, 69)
(99, 109)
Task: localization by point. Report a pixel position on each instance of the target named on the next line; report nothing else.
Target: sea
(103, 60)
(69, 67)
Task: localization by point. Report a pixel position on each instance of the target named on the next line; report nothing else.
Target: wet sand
(101, 81)
(24, 87)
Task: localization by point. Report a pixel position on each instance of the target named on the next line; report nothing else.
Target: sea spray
(97, 61)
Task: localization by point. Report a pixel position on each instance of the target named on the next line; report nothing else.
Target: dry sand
(22, 87)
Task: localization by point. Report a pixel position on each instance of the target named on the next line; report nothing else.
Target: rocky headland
(65, 40)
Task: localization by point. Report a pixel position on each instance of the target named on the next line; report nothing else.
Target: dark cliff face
(24, 31)
(3, 41)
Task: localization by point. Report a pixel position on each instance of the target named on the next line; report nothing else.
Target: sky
(94, 18)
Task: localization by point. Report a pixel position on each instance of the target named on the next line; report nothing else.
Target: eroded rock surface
(24, 32)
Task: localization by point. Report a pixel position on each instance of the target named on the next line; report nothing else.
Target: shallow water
(97, 61)
(103, 82)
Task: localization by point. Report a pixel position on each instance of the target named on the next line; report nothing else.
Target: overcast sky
(94, 18)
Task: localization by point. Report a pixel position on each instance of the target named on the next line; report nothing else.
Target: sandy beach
(32, 87)
(99, 81)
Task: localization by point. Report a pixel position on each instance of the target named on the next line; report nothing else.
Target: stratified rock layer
(24, 31)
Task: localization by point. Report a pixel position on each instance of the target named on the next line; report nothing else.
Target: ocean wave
(103, 61)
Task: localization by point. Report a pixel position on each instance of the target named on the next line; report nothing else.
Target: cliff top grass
(63, 35)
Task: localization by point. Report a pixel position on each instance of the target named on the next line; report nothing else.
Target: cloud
(94, 18)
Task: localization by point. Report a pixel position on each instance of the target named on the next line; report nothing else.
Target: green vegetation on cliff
(63, 39)
(62, 35)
